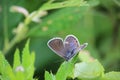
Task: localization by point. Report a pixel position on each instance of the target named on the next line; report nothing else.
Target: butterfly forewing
(56, 44)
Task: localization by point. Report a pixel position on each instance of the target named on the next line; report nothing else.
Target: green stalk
(5, 25)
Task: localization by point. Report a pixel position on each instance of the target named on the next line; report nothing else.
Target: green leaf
(64, 71)
(49, 76)
(26, 56)
(5, 69)
(88, 70)
(67, 3)
(28, 61)
(112, 76)
(17, 61)
(50, 5)
(31, 66)
(17, 67)
(93, 2)
(22, 71)
(85, 56)
(20, 75)
(62, 20)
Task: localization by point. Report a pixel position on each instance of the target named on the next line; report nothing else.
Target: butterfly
(67, 48)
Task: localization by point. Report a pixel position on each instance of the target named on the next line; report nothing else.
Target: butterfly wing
(56, 45)
(82, 46)
(71, 44)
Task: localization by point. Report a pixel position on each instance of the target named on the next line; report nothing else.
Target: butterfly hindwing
(71, 44)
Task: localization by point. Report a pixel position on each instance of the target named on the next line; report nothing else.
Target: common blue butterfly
(67, 48)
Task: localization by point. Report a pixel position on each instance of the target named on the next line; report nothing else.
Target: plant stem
(5, 26)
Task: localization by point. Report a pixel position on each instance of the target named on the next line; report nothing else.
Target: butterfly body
(69, 54)
(67, 48)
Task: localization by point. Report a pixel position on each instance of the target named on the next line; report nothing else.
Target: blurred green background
(97, 24)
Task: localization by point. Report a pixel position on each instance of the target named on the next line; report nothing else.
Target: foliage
(91, 69)
(88, 69)
(93, 21)
(22, 70)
